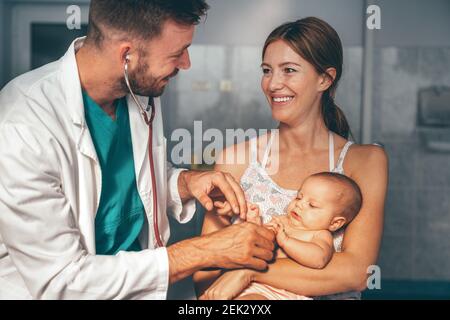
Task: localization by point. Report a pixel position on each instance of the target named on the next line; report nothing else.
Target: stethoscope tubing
(149, 122)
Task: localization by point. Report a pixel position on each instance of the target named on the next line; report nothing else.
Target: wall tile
(348, 96)
(432, 215)
(402, 154)
(433, 169)
(395, 257)
(434, 64)
(398, 90)
(399, 212)
(431, 256)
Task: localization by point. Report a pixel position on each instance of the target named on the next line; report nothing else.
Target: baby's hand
(223, 208)
(278, 228)
(253, 215)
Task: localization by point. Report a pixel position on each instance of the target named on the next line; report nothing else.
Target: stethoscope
(149, 122)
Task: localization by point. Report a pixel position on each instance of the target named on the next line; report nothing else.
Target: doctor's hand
(244, 245)
(208, 185)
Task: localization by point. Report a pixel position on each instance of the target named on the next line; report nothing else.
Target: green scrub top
(121, 215)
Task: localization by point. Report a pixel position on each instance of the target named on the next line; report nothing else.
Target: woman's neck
(305, 136)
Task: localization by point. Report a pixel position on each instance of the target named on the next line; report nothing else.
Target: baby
(325, 203)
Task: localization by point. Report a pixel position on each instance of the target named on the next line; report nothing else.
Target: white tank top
(272, 199)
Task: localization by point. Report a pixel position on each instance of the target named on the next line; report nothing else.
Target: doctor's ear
(124, 54)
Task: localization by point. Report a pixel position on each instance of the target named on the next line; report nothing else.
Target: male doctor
(78, 215)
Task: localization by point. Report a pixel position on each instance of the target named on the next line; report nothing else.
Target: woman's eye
(265, 71)
(289, 70)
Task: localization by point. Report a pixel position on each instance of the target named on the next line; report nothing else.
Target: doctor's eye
(265, 70)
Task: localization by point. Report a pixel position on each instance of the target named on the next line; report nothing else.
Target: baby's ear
(337, 223)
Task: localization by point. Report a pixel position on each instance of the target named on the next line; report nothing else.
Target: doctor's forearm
(187, 257)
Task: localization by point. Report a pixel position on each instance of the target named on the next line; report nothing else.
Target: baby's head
(325, 201)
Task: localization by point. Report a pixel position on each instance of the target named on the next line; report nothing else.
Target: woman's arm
(203, 279)
(214, 222)
(347, 271)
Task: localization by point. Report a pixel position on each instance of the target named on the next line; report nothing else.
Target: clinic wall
(413, 52)
(6, 42)
(6, 9)
(414, 23)
(248, 22)
(416, 242)
(2, 45)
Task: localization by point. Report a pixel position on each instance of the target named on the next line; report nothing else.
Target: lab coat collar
(75, 107)
(74, 100)
(72, 83)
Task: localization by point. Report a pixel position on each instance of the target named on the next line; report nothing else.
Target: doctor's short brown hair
(141, 19)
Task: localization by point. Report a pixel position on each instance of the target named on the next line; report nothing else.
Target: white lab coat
(50, 186)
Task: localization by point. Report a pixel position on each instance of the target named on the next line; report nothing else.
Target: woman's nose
(276, 82)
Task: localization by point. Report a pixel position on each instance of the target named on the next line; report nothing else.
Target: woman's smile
(281, 100)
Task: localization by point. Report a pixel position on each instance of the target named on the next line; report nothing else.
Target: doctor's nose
(185, 61)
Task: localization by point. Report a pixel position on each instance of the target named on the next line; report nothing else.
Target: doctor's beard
(143, 83)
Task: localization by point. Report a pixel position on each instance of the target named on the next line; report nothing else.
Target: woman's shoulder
(363, 157)
(367, 152)
(236, 158)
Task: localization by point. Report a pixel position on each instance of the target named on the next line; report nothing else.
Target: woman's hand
(229, 285)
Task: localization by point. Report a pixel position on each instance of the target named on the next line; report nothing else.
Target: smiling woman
(302, 64)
